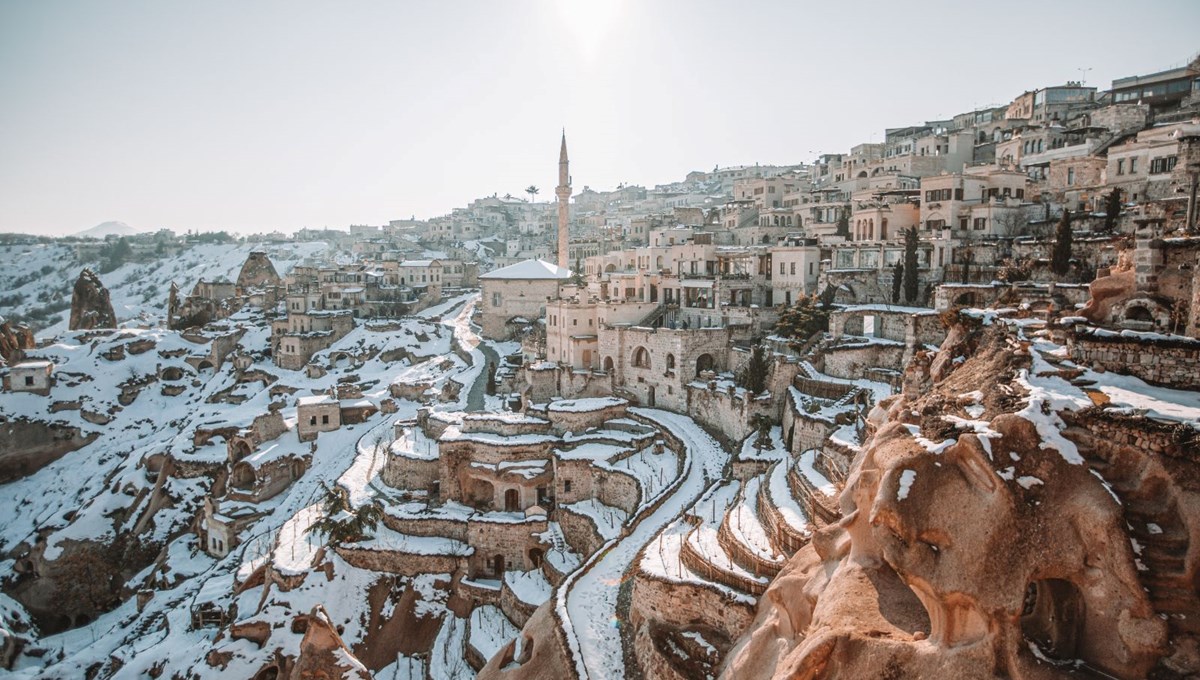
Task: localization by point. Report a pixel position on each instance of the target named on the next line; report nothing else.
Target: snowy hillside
(109, 229)
(37, 283)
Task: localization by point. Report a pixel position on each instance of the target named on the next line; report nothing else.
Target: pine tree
(911, 285)
(897, 281)
(753, 375)
(1060, 259)
(798, 322)
(1112, 209)
(577, 275)
(341, 522)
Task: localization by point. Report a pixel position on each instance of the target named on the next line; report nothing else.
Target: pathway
(591, 617)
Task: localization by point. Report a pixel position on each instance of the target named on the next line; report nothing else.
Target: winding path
(587, 603)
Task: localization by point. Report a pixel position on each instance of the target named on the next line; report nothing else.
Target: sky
(256, 116)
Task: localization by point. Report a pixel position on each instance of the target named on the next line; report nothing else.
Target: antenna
(1084, 72)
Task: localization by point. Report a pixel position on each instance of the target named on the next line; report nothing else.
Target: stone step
(744, 537)
(789, 526)
(815, 493)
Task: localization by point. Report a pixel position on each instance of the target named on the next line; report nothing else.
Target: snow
(906, 481)
(702, 539)
(607, 519)
(585, 405)
(781, 497)
(806, 466)
(530, 587)
(1028, 482)
(529, 270)
(587, 600)
(490, 630)
(746, 526)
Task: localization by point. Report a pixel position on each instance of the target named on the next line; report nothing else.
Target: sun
(589, 22)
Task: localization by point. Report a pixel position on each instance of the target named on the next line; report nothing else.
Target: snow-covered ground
(587, 600)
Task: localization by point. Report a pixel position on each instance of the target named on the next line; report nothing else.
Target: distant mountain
(109, 229)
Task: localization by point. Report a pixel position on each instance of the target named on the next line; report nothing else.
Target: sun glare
(590, 23)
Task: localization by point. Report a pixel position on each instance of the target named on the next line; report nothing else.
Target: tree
(911, 285)
(1112, 209)
(753, 375)
(968, 256)
(532, 191)
(897, 281)
(1060, 258)
(799, 322)
(577, 275)
(843, 223)
(762, 427)
(342, 523)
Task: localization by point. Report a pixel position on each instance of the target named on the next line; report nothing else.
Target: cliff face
(257, 272)
(984, 537)
(90, 304)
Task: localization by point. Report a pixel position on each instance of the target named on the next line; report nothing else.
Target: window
(782, 269)
(980, 223)
(495, 299)
(962, 222)
(1133, 166)
(958, 194)
(935, 224)
(1070, 176)
(29, 381)
(793, 268)
(1121, 166)
(1159, 166)
(325, 420)
(312, 420)
(567, 486)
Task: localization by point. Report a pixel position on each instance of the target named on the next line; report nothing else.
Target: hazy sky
(263, 115)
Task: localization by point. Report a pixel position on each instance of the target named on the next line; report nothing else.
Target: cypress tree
(1060, 259)
(897, 281)
(1112, 209)
(911, 286)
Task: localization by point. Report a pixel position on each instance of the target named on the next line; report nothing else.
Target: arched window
(670, 362)
(641, 358)
(704, 362)
(608, 364)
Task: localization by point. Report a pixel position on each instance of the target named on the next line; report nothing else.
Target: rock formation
(323, 654)
(979, 539)
(257, 272)
(14, 340)
(90, 304)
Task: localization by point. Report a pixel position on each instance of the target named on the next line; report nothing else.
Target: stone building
(30, 376)
(315, 414)
(517, 292)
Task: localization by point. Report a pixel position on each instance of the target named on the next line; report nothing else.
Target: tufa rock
(257, 272)
(14, 340)
(90, 304)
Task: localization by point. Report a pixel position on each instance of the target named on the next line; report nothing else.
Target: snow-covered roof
(529, 270)
(33, 365)
(315, 400)
(416, 263)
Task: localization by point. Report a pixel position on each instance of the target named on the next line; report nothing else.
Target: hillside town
(924, 407)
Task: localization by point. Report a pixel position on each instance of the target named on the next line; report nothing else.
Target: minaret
(563, 191)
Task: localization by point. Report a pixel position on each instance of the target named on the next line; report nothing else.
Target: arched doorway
(535, 558)
(498, 565)
(1053, 617)
(704, 362)
(608, 364)
(241, 449)
(243, 476)
(512, 500)
(205, 365)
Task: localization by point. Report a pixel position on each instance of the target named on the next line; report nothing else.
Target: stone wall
(428, 526)
(682, 606)
(729, 414)
(851, 360)
(1166, 362)
(579, 531)
(616, 489)
(405, 564)
(513, 540)
(402, 472)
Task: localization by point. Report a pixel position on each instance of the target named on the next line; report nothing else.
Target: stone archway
(497, 563)
(482, 493)
(640, 358)
(608, 364)
(704, 362)
(241, 449)
(242, 477)
(512, 500)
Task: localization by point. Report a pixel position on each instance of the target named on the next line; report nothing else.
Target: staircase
(1154, 522)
